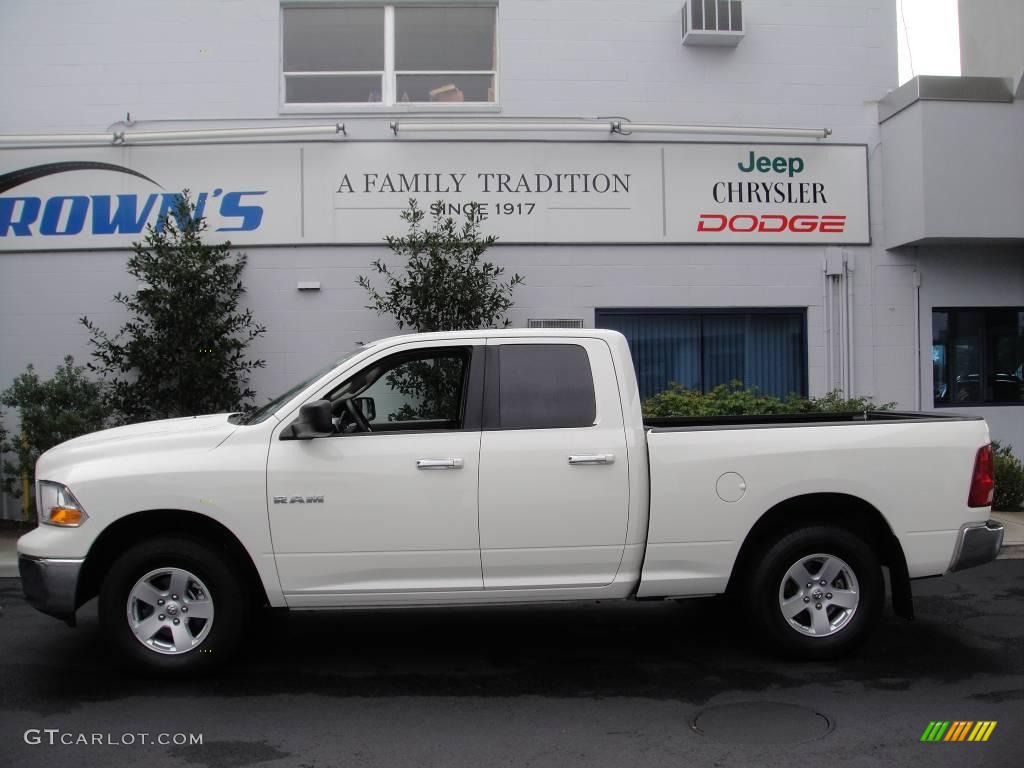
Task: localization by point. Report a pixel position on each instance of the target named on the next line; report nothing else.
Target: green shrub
(734, 399)
(49, 412)
(183, 349)
(1009, 478)
(725, 399)
(834, 402)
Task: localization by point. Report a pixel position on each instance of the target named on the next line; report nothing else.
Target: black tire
(225, 591)
(765, 589)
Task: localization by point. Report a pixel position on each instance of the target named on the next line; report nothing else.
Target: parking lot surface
(601, 684)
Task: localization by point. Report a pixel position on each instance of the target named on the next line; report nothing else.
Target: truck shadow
(689, 651)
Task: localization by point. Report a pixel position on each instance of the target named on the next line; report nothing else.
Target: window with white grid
(388, 53)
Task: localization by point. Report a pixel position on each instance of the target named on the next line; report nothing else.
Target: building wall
(991, 44)
(802, 62)
(193, 63)
(972, 276)
(991, 38)
(306, 329)
(951, 171)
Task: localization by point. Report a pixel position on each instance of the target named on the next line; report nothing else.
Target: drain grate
(761, 722)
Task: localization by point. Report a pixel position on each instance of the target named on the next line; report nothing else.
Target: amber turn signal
(65, 516)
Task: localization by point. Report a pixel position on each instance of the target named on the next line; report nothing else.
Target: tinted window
(699, 350)
(978, 356)
(544, 386)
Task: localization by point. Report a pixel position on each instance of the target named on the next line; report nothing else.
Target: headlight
(56, 505)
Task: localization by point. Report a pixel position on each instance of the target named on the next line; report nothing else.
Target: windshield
(263, 412)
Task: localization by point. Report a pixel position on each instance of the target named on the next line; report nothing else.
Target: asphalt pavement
(612, 684)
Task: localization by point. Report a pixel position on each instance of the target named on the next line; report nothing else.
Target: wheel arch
(147, 524)
(842, 510)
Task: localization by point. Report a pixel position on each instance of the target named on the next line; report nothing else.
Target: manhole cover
(761, 722)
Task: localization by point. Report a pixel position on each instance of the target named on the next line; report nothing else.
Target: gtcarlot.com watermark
(57, 737)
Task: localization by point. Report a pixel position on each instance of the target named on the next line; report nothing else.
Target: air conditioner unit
(555, 323)
(712, 22)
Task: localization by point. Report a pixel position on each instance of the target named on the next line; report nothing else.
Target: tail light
(983, 481)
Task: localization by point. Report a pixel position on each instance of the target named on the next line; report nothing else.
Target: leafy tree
(444, 286)
(183, 350)
(50, 412)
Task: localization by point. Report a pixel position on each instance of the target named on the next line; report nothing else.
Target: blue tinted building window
(700, 349)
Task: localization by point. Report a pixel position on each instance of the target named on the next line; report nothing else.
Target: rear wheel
(817, 592)
(172, 605)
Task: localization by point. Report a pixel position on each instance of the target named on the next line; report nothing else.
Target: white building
(787, 259)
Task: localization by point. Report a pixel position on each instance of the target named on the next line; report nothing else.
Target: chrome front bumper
(51, 585)
(977, 544)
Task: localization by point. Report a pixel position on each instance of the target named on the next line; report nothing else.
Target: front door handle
(592, 458)
(439, 464)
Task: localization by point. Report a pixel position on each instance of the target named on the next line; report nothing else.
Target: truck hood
(191, 432)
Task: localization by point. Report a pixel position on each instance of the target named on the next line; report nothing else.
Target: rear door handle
(592, 458)
(439, 464)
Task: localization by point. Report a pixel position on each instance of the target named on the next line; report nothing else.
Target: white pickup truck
(487, 467)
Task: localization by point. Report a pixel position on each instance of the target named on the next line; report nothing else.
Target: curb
(1011, 552)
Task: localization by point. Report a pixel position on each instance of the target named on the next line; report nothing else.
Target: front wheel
(817, 592)
(172, 605)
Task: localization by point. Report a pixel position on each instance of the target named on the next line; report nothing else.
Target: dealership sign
(126, 214)
(527, 192)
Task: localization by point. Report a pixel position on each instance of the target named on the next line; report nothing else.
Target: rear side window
(545, 386)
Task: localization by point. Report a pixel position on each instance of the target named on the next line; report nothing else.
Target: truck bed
(835, 418)
(712, 478)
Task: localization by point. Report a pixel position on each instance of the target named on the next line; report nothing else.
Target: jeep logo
(298, 499)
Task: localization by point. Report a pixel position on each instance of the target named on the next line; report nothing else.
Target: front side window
(417, 391)
(389, 54)
(702, 349)
(978, 356)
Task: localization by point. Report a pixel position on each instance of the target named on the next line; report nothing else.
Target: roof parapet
(945, 88)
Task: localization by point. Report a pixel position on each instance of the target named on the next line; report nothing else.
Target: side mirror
(314, 421)
(366, 406)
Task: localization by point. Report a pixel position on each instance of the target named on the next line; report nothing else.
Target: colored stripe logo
(958, 730)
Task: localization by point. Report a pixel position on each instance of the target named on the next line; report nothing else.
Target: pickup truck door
(394, 509)
(554, 486)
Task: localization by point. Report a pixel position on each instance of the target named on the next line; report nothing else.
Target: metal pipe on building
(57, 138)
(126, 137)
(619, 127)
(235, 133)
(627, 128)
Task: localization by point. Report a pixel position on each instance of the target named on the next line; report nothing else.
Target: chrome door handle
(439, 464)
(593, 458)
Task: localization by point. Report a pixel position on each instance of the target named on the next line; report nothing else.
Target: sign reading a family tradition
(528, 192)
